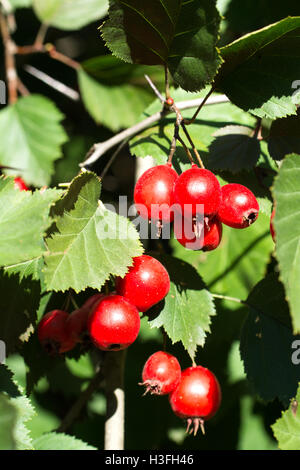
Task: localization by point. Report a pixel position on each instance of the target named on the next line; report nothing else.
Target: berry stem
(115, 400)
(190, 121)
(192, 144)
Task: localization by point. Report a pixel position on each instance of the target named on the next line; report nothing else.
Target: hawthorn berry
(272, 230)
(91, 301)
(197, 186)
(146, 283)
(197, 397)
(76, 325)
(53, 334)
(154, 191)
(20, 184)
(113, 323)
(211, 239)
(239, 207)
(161, 373)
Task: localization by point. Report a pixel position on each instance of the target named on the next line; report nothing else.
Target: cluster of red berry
(194, 394)
(163, 196)
(110, 321)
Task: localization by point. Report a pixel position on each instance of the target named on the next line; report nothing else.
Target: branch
(101, 148)
(58, 86)
(10, 65)
(115, 400)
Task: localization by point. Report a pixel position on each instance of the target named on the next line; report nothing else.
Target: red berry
(91, 301)
(161, 373)
(20, 184)
(146, 283)
(170, 101)
(194, 187)
(239, 207)
(153, 193)
(185, 234)
(272, 230)
(52, 332)
(114, 323)
(76, 325)
(197, 397)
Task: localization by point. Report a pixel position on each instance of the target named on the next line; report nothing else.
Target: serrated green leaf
(7, 383)
(156, 140)
(24, 218)
(91, 242)
(25, 412)
(266, 342)
(113, 106)
(60, 441)
(32, 137)
(238, 263)
(19, 302)
(260, 67)
(284, 137)
(287, 428)
(286, 192)
(234, 148)
(181, 35)
(70, 14)
(8, 416)
(186, 310)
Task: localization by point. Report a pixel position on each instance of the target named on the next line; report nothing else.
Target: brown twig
(10, 64)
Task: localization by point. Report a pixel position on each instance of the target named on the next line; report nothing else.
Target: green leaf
(32, 137)
(156, 140)
(113, 106)
(20, 3)
(70, 14)
(109, 70)
(287, 428)
(180, 35)
(25, 412)
(284, 137)
(91, 242)
(60, 441)
(8, 417)
(24, 218)
(234, 148)
(266, 342)
(286, 193)
(19, 302)
(260, 67)
(238, 263)
(186, 310)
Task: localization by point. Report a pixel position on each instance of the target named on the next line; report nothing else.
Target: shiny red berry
(20, 184)
(197, 397)
(196, 187)
(153, 193)
(184, 232)
(272, 230)
(161, 373)
(146, 283)
(53, 334)
(239, 207)
(114, 323)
